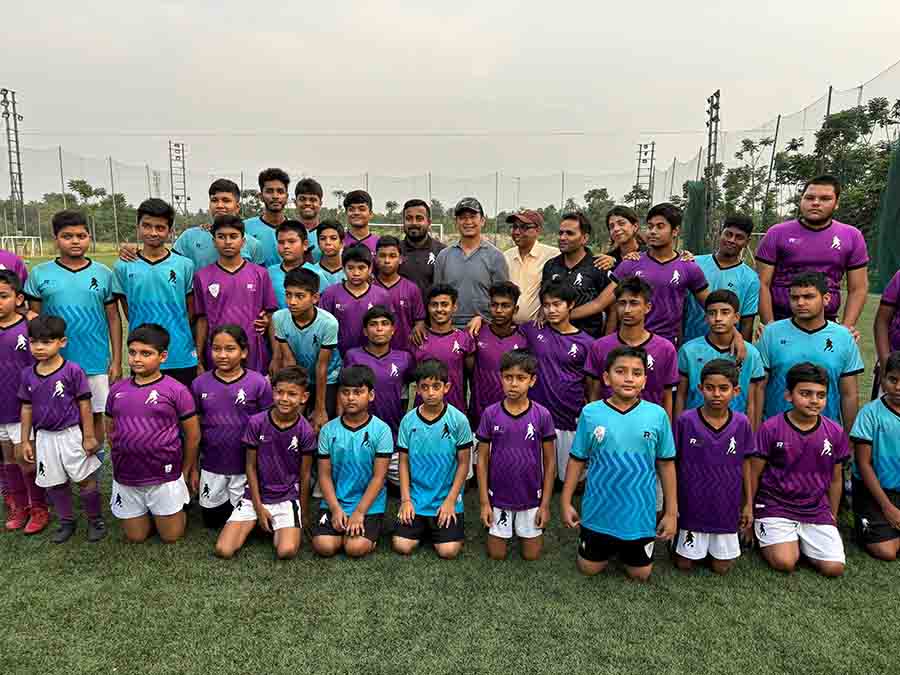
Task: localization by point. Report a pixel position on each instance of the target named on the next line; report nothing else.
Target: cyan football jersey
(328, 278)
(197, 244)
(353, 453)
(306, 341)
(698, 352)
(740, 279)
(879, 426)
(265, 235)
(277, 275)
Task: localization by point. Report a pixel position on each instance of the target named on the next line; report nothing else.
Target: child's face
(503, 310)
(516, 383)
(289, 398)
(227, 353)
(330, 243)
(807, 303)
(379, 331)
(355, 400)
(357, 273)
(556, 310)
(308, 206)
(274, 195)
(291, 247)
(660, 232)
(9, 300)
(144, 359)
(73, 242)
(808, 398)
(441, 309)
(732, 241)
(432, 391)
(718, 392)
(632, 309)
(154, 231)
(626, 377)
(388, 259)
(223, 204)
(299, 300)
(890, 384)
(229, 241)
(721, 318)
(44, 349)
(358, 215)
(621, 230)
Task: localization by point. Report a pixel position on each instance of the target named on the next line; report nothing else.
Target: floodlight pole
(765, 211)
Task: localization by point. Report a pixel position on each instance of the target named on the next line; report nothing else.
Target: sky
(462, 89)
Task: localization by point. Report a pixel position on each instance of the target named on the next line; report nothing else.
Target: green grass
(151, 608)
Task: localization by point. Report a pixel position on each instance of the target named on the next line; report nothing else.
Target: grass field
(112, 607)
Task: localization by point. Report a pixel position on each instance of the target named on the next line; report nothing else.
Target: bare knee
(884, 550)
(137, 537)
(782, 563)
(449, 550)
(287, 551)
(171, 537)
(404, 546)
(682, 563)
(358, 547)
(588, 568)
(639, 573)
(829, 568)
(224, 551)
(721, 566)
(326, 547)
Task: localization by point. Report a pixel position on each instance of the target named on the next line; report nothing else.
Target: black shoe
(64, 532)
(96, 530)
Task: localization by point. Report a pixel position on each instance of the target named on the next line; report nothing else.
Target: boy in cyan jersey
(330, 267)
(273, 192)
(292, 247)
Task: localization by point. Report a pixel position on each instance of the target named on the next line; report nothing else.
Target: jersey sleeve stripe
(463, 446)
(763, 260)
(861, 441)
(187, 416)
(858, 371)
(850, 268)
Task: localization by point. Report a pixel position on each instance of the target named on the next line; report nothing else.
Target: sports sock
(15, 485)
(37, 496)
(61, 498)
(90, 503)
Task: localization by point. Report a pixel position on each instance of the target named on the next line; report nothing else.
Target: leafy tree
(437, 211)
(339, 199)
(391, 208)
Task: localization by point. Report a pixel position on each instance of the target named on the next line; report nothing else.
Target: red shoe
(15, 518)
(39, 519)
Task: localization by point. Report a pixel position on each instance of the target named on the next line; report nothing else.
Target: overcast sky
(102, 80)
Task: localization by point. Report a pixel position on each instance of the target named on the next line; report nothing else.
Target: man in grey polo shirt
(471, 265)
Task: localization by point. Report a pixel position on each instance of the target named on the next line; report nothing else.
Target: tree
(339, 199)
(390, 208)
(251, 204)
(570, 205)
(744, 185)
(598, 205)
(639, 196)
(437, 211)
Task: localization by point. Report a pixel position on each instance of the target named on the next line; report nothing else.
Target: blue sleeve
(755, 364)
(31, 284)
(683, 365)
(278, 323)
(385, 444)
(325, 442)
(665, 445)
(180, 247)
(750, 301)
(403, 434)
(188, 274)
(463, 432)
(854, 363)
(118, 280)
(864, 425)
(762, 346)
(251, 433)
(583, 441)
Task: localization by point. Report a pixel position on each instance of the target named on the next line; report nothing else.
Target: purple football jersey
(710, 471)
(54, 397)
(146, 438)
(891, 298)
(406, 300)
(349, 310)
(451, 348)
(662, 365)
(516, 467)
(224, 409)
(792, 248)
(236, 297)
(10, 261)
(487, 385)
(393, 372)
(370, 241)
(799, 469)
(278, 455)
(14, 358)
(671, 282)
(560, 377)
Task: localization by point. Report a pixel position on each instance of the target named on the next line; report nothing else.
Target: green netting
(694, 227)
(888, 225)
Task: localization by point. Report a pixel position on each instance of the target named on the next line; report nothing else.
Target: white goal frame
(20, 245)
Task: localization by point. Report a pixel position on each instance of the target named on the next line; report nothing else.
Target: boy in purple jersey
(358, 205)
(714, 446)
(886, 328)
(445, 343)
(406, 297)
(813, 243)
(233, 291)
(280, 446)
(350, 300)
(561, 350)
(633, 296)
(226, 398)
(517, 463)
(10, 261)
(56, 404)
(154, 434)
(796, 478)
(500, 336)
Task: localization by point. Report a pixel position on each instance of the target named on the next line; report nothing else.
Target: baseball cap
(468, 204)
(526, 216)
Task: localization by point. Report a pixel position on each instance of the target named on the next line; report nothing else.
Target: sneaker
(16, 518)
(96, 530)
(64, 532)
(38, 520)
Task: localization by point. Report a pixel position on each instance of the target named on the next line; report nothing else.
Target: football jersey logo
(119, 394)
(540, 337)
(578, 279)
(403, 303)
(324, 519)
(173, 278)
(689, 538)
(59, 389)
(251, 287)
(366, 440)
(152, 398)
(732, 446)
(21, 343)
(337, 307)
(693, 441)
(836, 243)
(204, 396)
(676, 278)
(529, 432)
(369, 306)
(792, 240)
(650, 362)
(599, 433)
(456, 348)
(395, 371)
(779, 444)
(241, 398)
(829, 345)
(295, 444)
(95, 285)
(573, 351)
(498, 429)
(639, 273)
(205, 492)
(431, 258)
(445, 432)
(647, 435)
(826, 448)
(214, 290)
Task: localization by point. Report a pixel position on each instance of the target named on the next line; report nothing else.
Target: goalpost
(24, 247)
(437, 229)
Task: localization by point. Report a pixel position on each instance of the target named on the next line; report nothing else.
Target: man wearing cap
(471, 265)
(526, 260)
(420, 249)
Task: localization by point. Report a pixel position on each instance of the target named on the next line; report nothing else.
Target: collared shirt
(472, 275)
(588, 281)
(526, 273)
(418, 262)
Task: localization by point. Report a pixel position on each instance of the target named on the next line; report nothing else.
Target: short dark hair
(224, 185)
(723, 367)
(559, 289)
(47, 327)
(739, 222)
(892, 365)
(229, 220)
(626, 352)
(309, 186)
(816, 280)
(433, 369)
(387, 241)
(505, 289)
(356, 254)
(296, 375)
(519, 358)
(723, 296)
(12, 280)
(409, 203)
(378, 312)
(634, 285)
(291, 225)
(584, 223)
(442, 289)
(304, 279)
(267, 175)
(150, 334)
(358, 197)
(331, 224)
(234, 331)
(824, 179)
(806, 372)
(625, 212)
(669, 211)
(157, 208)
(357, 376)
(68, 218)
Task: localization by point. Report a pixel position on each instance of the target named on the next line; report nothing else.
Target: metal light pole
(11, 119)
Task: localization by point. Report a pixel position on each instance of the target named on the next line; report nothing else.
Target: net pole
(112, 187)
(62, 179)
(765, 212)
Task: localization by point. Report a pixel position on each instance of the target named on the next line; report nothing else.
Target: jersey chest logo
(578, 279)
(95, 285)
(395, 371)
(829, 345)
(59, 389)
(456, 348)
(241, 398)
(732, 447)
(173, 278)
(152, 398)
(826, 448)
(599, 433)
(676, 278)
(836, 243)
(529, 432)
(573, 351)
(650, 362)
(214, 290)
(431, 259)
(21, 343)
(295, 444)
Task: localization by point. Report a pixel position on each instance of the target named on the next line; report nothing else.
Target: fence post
(62, 179)
(112, 186)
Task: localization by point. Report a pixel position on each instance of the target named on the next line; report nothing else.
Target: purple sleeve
(308, 442)
(184, 403)
(891, 294)
(767, 251)
(110, 400)
(841, 447)
(762, 442)
(326, 300)
(679, 427)
(696, 279)
(269, 301)
(467, 343)
(199, 296)
(592, 365)
(624, 269)
(670, 370)
(749, 440)
(349, 358)
(265, 394)
(859, 254)
(251, 433)
(24, 395)
(484, 428)
(81, 387)
(21, 270)
(418, 306)
(548, 428)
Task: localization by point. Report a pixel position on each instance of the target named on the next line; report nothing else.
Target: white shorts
(60, 457)
(563, 444)
(11, 432)
(505, 521)
(695, 545)
(99, 385)
(818, 542)
(218, 488)
(284, 514)
(164, 499)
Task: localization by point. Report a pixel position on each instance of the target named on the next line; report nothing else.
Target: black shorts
(871, 525)
(184, 375)
(427, 526)
(323, 527)
(599, 547)
(330, 400)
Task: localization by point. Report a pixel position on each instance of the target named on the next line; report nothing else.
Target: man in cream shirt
(526, 260)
